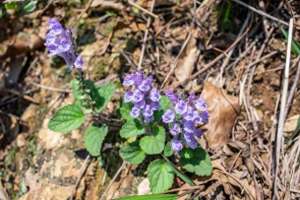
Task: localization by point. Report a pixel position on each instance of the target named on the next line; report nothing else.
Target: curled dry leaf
(223, 110)
(185, 65)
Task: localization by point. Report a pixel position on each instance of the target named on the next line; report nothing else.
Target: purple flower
(184, 125)
(181, 107)
(154, 95)
(148, 119)
(172, 96)
(141, 93)
(204, 116)
(78, 63)
(148, 112)
(168, 116)
(189, 115)
(135, 112)
(176, 145)
(128, 80)
(146, 84)
(154, 106)
(141, 104)
(128, 96)
(137, 96)
(55, 26)
(190, 140)
(200, 104)
(175, 129)
(188, 126)
(59, 43)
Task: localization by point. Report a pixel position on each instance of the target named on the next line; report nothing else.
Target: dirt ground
(234, 52)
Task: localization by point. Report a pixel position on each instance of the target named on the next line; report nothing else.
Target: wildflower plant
(90, 99)
(165, 126)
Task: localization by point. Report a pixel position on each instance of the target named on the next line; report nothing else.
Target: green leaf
(150, 197)
(165, 103)
(295, 44)
(196, 161)
(132, 153)
(125, 111)
(168, 150)
(30, 6)
(132, 128)
(66, 119)
(154, 143)
(93, 139)
(11, 6)
(105, 92)
(160, 175)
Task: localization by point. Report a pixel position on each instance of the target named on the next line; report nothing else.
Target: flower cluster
(184, 118)
(59, 43)
(142, 94)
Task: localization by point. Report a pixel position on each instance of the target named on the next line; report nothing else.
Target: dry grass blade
(279, 134)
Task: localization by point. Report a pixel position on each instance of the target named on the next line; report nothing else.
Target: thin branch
(145, 38)
(82, 171)
(113, 179)
(142, 9)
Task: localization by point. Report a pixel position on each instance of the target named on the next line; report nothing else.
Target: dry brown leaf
(185, 66)
(223, 110)
(291, 124)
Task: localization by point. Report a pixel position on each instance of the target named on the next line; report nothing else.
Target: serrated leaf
(93, 139)
(150, 197)
(160, 175)
(30, 6)
(196, 161)
(132, 128)
(132, 153)
(154, 143)
(105, 92)
(66, 119)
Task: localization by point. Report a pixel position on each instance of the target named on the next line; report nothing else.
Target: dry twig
(279, 134)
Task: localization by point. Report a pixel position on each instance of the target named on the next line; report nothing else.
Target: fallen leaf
(223, 110)
(291, 124)
(144, 187)
(186, 64)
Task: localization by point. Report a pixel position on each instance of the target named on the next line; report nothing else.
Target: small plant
(165, 127)
(90, 99)
(162, 128)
